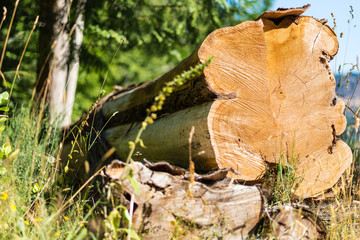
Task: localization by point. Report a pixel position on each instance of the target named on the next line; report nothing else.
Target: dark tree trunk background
(46, 21)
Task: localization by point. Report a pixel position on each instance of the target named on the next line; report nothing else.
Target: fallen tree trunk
(233, 211)
(167, 205)
(269, 92)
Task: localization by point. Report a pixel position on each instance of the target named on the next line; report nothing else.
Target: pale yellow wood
(167, 139)
(239, 127)
(302, 89)
(321, 170)
(287, 107)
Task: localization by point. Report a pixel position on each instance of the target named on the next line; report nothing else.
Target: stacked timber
(267, 96)
(269, 92)
(167, 205)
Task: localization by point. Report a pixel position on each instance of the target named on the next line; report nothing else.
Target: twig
(131, 211)
(4, 16)
(352, 111)
(191, 163)
(79, 190)
(22, 56)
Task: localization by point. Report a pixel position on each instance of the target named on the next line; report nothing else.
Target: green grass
(30, 196)
(37, 201)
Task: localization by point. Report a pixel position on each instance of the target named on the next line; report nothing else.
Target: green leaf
(125, 214)
(2, 170)
(131, 145)
(141, 142)
(157, 35)
(4, 109)
(114, 219)
(180, 27)
(82, 235)
(223, 3)
(135, 184)
(5, 150)
(132, 233)
(4, 98)
(3, 119)
(176, 54)
(36, 188)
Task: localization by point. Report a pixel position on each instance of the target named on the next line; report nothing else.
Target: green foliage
(112, 224)
(5, 149)
(169, 23)
(4, 98)
(23, 23)
(285, 180)
(29, 194)
(159, 34)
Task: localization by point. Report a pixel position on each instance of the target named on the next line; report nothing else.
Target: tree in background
(158, 33)
(57, 75)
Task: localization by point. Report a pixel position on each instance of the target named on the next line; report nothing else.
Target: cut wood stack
(166, 205)
(268, 92)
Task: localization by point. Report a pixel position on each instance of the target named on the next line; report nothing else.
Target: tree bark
(75, 62)
(59, 64)
(57, 67)
(169, 205)
(175, 128)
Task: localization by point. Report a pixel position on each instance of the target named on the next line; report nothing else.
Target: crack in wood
(316, 38)
(331, 147)
(333, 102)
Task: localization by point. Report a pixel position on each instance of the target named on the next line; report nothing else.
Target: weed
(285, 180)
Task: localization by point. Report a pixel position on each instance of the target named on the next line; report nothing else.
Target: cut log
(167, 206)
(232, 122)
(276, 95)
(171, 128)
(268, 92)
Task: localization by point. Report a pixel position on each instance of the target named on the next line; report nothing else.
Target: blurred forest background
(127, 41)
